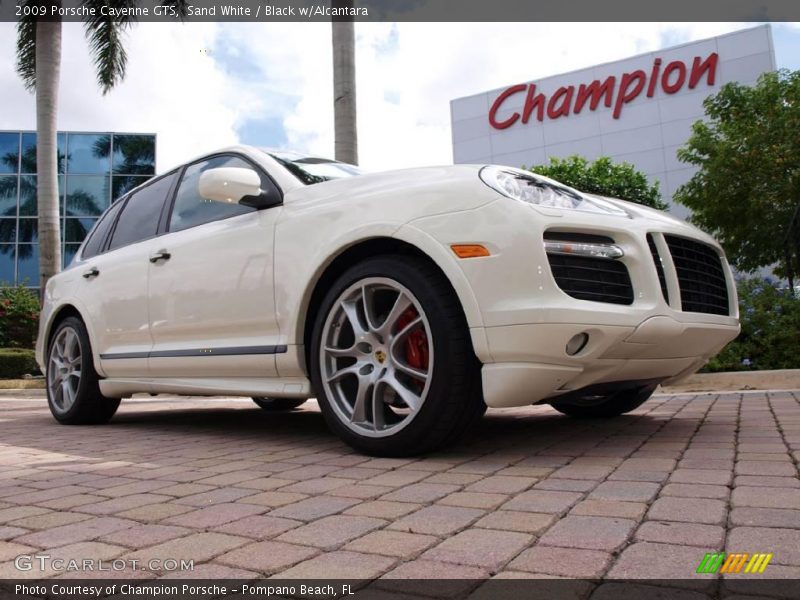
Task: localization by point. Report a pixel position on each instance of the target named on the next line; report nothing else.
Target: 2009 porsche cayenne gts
(404, 301)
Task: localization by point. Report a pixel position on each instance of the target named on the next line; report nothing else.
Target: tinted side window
(139, 218)
(98, 234)
(191, 209)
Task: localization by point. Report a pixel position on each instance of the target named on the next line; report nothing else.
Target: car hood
(461, 182)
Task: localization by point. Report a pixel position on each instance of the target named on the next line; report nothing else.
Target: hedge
(16, 362)
(19, 317)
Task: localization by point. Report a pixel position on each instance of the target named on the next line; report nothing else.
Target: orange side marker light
(470, 250)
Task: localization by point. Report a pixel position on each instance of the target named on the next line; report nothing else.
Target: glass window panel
(28, 264)
(70, 250)
(7, 257)
(28, 162)
(28, 203)
(62, 192)
(88, 153)
(8, 231)
(9, 152)
(134, 154)
(98, 235)
(75, 230)
(122, 184)
(27, 231)
(190, 209)
(87, 195)
(139, 218)
(8, 195)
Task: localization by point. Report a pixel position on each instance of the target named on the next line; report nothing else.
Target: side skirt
(277, 387)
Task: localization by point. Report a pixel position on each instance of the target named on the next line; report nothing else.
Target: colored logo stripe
(720, 562)
(734, 563)
(711, 562)
(758, 563)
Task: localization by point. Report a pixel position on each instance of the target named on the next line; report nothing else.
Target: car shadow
(526, 431)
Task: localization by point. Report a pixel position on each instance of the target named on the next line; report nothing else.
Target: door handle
(160, 255)
(93, 272)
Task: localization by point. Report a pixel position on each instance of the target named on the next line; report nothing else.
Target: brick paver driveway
(246, 494)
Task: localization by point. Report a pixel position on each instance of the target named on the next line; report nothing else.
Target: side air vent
(585, 266)
(596, 279)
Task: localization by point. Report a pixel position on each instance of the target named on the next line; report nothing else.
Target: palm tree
(39, 67)
(344, 86)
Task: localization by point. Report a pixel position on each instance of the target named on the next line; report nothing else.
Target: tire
(612, 405)
(413, 362)
(278, 404)
(73, 394)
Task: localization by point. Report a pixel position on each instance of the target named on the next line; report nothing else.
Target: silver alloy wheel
(64, 370)
(364, 362)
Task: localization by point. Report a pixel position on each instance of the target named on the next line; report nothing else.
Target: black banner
(299, 11)
(516, 587)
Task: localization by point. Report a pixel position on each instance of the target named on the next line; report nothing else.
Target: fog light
(577, 343)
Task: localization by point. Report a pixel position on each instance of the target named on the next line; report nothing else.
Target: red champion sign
(631, 85)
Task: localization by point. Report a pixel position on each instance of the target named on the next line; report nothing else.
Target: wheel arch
(364, 248)
(68, 309)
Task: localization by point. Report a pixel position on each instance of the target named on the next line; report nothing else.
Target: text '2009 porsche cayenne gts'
(406, 302)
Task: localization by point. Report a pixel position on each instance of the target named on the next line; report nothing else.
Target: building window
(94, 169)
(28, 264)
(88, 154)
(87, 195)
(9, 152)
(8, 256)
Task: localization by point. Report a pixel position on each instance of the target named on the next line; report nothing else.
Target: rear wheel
(73, 392)
(391, 359)
(612, 405)
(278, 404)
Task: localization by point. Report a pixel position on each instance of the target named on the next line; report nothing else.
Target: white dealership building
(638, 109)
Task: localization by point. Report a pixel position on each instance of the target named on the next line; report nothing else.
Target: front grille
(700, 276)
(596, 279)
(662, 280)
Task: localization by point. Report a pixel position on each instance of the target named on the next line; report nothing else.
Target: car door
(113, 289)
(211, 300)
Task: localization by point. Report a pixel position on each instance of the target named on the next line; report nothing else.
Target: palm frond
(105, 37)
(26, 49)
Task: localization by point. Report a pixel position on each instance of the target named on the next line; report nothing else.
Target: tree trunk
(344, 89)
(48, 67)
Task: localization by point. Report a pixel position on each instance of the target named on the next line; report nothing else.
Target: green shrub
(770, 336)
(19, 317)
(16, 362)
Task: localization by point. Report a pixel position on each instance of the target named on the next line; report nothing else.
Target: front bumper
(527, 320)
(531, 363)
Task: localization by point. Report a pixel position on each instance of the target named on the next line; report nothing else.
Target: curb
(781, 379)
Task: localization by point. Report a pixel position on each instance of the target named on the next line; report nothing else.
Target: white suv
(405, 301)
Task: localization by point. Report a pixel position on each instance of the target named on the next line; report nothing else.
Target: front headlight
(542, 191)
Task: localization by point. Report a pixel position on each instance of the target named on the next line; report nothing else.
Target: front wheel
(278, 404)
(73, 392)
(612, 405)
(391, 359)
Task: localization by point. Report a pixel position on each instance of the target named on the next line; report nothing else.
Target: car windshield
(312, 169)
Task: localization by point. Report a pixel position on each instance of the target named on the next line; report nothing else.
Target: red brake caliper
(416, 344)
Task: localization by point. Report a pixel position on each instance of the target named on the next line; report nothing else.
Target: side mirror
(229, 184)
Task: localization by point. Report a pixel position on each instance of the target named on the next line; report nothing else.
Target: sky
(202, 86)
